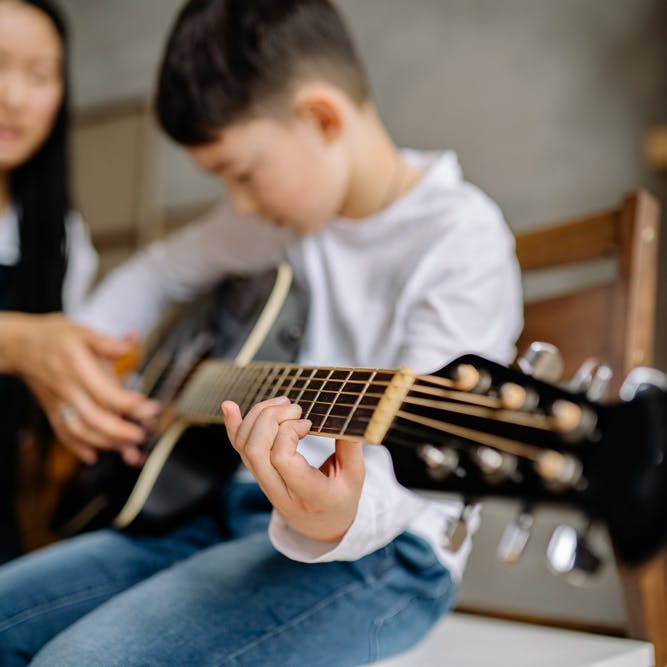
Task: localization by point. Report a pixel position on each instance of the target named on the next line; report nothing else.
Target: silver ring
(66, 413)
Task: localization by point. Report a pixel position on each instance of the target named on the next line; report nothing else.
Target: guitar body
(259, 316)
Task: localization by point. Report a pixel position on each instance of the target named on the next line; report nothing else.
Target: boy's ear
(322, 110)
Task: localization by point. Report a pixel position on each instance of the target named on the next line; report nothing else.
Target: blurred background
(555, 107)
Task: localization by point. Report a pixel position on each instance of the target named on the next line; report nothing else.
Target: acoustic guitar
(474, 427)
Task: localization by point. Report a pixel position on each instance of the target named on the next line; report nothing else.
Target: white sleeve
(384, 512)
(179, 268)
(467, 297)
(82, 263)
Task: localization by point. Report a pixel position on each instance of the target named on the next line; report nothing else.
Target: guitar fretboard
(338, 401)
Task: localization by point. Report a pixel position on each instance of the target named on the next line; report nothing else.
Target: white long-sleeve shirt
(431, 277)
(82, 258)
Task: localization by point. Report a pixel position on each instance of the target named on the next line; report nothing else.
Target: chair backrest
(614, 321)
(611, 320)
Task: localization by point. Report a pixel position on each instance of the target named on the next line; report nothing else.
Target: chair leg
(645, 591)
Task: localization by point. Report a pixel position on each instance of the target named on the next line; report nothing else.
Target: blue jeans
(201, 596)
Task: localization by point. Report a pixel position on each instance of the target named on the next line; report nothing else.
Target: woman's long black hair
(40, 192)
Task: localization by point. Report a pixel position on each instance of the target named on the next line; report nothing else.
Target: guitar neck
(348, 403)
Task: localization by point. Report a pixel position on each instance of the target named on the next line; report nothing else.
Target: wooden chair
(611, 318)
(613, 322)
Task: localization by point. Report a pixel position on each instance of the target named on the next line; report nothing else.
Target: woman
(46, 262)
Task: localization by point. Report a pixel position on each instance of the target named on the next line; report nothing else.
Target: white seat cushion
(463, 640)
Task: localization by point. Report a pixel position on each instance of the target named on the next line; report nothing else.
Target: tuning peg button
(543, 361)
(641, 379)
(600, 386)
(440, 461)
(570, 555)
(495, 466)
(514, 539)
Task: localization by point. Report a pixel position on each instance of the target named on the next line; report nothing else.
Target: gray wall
(546, 102)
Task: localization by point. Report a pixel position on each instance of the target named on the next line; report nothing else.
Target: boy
(405, 263)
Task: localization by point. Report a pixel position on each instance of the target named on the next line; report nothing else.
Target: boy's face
(289, 172)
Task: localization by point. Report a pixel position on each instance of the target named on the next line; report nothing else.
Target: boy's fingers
(232, 415)
(258, 412)
(297, 474)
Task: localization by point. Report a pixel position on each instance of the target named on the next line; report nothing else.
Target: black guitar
(246, 316)
(475, 427)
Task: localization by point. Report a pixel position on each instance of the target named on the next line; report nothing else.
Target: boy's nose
(242, 202)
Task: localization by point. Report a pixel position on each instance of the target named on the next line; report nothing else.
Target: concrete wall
(546, 102)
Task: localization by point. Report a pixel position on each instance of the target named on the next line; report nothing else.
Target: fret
(248, 400)
(276, 388)
(267, 388)
(296, 377)
(235, 379)
(333, 403)
(253, 395)
(309, 412)
(305, 386)
(335, 400)
(357, 403)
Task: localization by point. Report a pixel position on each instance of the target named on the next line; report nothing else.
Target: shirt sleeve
(466, 295)
(179, 268)
(82, 262)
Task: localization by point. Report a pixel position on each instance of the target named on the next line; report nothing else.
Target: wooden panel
(577, 324)
(655, 147)
(107, 170)
(582, 240)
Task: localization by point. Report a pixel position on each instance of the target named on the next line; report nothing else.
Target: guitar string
(250, 397)
(254, 386)
(506, 445)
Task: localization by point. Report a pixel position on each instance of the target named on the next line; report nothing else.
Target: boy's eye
(244, 177)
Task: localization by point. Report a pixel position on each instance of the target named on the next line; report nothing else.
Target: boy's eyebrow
(221, 165)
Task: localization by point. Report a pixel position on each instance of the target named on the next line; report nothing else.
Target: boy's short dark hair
(228, 59)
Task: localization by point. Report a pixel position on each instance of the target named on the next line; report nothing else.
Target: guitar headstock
(478, 428)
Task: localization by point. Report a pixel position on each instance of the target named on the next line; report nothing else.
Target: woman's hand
(69, 369)
(320, 503)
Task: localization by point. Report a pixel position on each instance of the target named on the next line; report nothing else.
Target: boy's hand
(69, 369)
(320, 503)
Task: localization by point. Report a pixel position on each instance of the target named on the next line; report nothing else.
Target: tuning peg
(495, 466)
(515, 397)
(600, 385)
(471, 379)
(558, 471)
(642, 379)
(594, 379)
(440, 461)
(515, 537)
(457, 530)
(543, 361)
(570, 555)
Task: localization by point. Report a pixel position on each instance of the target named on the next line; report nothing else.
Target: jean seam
(63, 602)
(322, 604)
(397, 609)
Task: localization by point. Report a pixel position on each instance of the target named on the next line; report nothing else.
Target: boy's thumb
(350, 455)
